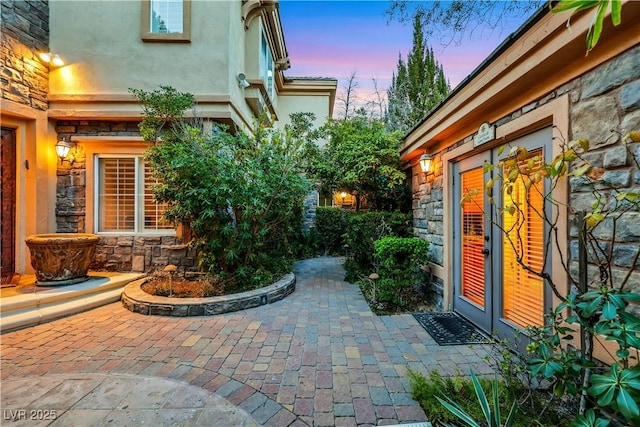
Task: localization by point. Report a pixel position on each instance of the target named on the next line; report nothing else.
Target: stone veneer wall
(603, 100)
(142, 253)
(114, 253)
(309, 216)
(25, 32)
(605, 105)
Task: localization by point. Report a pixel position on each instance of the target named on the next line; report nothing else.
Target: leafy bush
(425, 390)
(615, 388)
(399, 260)
(330, 226)
(362, 158)
(461, 389)
(306, 244)
(491, 412)
(241, 195)
(362, 229)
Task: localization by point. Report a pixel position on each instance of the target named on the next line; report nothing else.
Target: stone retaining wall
(138, 301)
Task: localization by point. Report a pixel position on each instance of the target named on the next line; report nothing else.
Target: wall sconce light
(51, 58)
(63, 147)
(425, 163)
(242, 81)
(344, 196)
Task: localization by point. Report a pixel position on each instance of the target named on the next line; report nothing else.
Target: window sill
(166, 38)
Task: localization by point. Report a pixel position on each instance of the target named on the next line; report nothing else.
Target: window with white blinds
(124, 197)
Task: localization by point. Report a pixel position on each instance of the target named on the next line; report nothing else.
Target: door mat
(450, 329)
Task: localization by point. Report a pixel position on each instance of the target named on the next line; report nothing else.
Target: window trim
(267, 65)
(148, 36)
(139, 229)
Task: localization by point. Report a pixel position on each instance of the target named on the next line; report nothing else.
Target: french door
(499, 237)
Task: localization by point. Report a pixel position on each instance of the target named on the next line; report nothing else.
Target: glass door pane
(523, 291)
(471, 242)
(472, 223)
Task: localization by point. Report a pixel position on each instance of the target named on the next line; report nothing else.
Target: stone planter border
(138, 301)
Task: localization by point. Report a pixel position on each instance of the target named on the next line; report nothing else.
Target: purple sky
(334, 38)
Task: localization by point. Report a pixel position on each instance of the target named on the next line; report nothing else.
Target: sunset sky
(334, 38)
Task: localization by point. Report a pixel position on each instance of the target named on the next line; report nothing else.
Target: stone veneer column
(25, 32)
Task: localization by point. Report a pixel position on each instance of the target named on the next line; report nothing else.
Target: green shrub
(491, 410)
(461, 390)
(362, 229)
(241, 195)
(425, 390)
(399, 260)
(306, 244)
(330, 227)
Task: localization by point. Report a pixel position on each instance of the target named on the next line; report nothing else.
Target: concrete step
(30, 305)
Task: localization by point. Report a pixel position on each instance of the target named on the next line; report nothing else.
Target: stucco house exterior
(231, 55)
(536, 90)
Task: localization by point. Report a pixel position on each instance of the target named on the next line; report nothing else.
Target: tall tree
(417, 86)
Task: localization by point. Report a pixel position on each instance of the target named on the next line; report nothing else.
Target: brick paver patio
(319, 357)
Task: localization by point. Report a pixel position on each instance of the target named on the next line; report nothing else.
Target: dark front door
(8, 202)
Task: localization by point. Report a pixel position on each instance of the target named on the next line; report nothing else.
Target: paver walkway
(319, 357)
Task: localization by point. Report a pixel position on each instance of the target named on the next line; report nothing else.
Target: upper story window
(166, 21)
(267, 67)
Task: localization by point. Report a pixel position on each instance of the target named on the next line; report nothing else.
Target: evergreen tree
(417, 86)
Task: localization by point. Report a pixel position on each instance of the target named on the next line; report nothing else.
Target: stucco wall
(604, 104)
(25, 33)
(85, 34)
(304, 104)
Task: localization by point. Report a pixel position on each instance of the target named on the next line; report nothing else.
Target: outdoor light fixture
(51, 58)
(242, 81)
(344, 196)
(425, 163)
(62, 150)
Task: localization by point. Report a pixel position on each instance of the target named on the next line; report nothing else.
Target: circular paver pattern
(114, 400)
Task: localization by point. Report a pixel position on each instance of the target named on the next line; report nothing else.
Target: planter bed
(138, 301)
